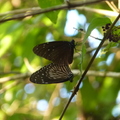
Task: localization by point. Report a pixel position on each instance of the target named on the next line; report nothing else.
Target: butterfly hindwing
(52, 73)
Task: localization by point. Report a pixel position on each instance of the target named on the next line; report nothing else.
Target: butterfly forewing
(52, 73)
(60, 52)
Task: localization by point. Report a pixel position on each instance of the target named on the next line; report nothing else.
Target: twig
(19, 76)
(75, 72)
(99, 73)
(20, 11)
(89, 65)
(11, 72)
(82, 31)
(99, 11)
(40, 11)
(112, 6)
(89, 49)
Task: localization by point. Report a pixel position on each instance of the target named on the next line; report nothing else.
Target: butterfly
(59, 52)
(52, 73)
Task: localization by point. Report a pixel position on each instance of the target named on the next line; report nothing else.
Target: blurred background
(99, 94)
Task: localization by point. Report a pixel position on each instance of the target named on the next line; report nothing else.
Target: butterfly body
(52, 73)
(60, 52)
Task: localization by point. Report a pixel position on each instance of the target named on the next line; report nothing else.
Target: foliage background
(98, 97)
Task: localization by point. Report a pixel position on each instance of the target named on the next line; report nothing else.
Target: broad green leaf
(96, 22)
(50, 3)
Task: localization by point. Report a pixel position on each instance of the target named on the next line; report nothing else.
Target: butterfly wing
(52, 73)
(60, 52)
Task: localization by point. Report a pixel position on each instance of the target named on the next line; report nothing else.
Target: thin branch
(89, 65)
(100, 11)
(99, 73)
(20, 11)
(18, 76)
(118, 4)
(89, 49)
(112, 6)
(82, 31)
(11, 72)
(75, 72)
(32, 12)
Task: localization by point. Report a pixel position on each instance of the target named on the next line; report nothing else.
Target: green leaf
(50, 3)
(95, 23)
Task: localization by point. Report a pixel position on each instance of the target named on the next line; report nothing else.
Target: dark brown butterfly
(52, 73)
(60, 52)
